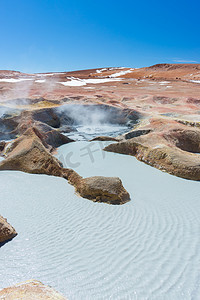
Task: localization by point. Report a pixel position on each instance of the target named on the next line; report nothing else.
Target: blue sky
(61, 35)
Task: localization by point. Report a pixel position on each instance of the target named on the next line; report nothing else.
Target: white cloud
(185, 61)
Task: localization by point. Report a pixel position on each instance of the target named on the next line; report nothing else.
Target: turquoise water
(145, 249)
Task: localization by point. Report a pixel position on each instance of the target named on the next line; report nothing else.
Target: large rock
(50, 135)
(45, 115)
(56, 139)
(67, 129)
(185, 139)
(136, 133)
(8, 123)
(30, 290)
(103, 189)
(7, 232)
(7, 128)
(104, 139)
(2, 145)
(29, 153)
(98, 188)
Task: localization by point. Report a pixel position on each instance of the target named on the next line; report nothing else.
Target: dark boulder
(7, 232)
(103, 189)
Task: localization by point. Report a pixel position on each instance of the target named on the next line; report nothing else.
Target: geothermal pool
(89, 121)
(88, 132)
(145, 249)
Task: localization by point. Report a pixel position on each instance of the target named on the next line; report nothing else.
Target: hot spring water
(145, 249)
(90, 121)
(88, 132)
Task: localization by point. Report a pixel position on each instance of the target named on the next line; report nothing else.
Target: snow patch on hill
(14, 80)
(121, 73)
(81, 82)
(195, 81)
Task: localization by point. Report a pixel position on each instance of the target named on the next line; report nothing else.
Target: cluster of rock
(164, 144)
(32, 151)
(29, 153)
(45, 120)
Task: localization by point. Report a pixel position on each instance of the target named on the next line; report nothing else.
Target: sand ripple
(145, 249)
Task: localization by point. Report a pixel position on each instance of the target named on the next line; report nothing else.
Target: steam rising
(93, 120)
(86, 114)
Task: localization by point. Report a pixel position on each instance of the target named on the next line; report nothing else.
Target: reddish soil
(153, 91)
